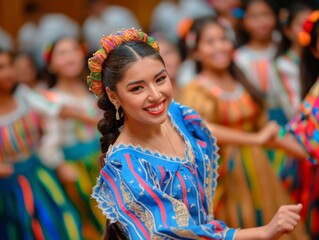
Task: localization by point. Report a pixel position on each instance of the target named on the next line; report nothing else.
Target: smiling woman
(159, 160)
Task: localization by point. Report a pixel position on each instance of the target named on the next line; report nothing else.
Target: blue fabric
(278, 115)
(80, 150)
(153, 195)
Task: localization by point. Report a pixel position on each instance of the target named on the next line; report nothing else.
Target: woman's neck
(296, 49)
(143, 131)
(224, 80)
(71, 85)
(214, 74)
(259, 44)
(8, 103)
(32, 84)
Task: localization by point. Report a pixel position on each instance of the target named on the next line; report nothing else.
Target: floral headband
(304, 36)
(108, 43)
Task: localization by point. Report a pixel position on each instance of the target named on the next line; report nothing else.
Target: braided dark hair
(113, 70)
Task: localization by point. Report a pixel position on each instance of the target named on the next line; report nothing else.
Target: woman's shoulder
(181, 111)
(187, 119)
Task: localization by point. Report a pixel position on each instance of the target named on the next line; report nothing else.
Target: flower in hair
(305, 36)
(184, 27)
(47, 53)
(108, 43)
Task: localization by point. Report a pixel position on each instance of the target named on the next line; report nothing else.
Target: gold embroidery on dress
(142, 214)
(190, 153)
(181, 212)
(208, 185)
(184, 233)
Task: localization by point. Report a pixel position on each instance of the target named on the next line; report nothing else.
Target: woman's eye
(161, 79)
(135, 89)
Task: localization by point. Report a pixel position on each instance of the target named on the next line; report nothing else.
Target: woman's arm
(290, 145)
(69, 112)
(227, 135)
(47, 103)
(285, 221)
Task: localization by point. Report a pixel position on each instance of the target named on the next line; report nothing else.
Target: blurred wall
(12, 17)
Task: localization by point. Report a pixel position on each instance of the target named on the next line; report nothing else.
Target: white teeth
(155, 109)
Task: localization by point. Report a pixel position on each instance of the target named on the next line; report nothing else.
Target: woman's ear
(112, 96)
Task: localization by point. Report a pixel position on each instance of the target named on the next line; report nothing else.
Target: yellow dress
(249, 192)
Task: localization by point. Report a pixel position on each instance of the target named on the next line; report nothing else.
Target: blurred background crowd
(242, 64)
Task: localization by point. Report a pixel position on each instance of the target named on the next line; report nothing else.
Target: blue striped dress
(154, 196)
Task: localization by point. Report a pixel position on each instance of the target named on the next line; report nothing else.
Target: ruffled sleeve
(196, 128)
(40, 102)
(129, 192)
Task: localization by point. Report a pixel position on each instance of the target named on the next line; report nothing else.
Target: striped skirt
(34, 206)
(84, 157)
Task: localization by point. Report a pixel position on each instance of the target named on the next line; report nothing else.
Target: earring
(117, 114)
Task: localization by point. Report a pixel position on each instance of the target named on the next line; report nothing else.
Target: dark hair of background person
(198, 25)
(10, 54)
(309, 64)
(293, 10)
(242, 36)
(114, 68)
(5, 51)
(32, 61)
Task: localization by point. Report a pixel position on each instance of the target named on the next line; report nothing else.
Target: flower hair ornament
(47, 53)
(304, 36)
(108, 43)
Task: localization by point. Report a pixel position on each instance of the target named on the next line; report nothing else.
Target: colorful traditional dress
(77, 143)
(32, 202)
(305, 127)
(287, 67)
(258, 67)
(37, 101)
(249, 192)
(154, 196)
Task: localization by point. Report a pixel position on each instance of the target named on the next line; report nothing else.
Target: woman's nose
(154, 94)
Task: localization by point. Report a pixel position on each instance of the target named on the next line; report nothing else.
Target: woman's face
(145, 92)
(67, 59)
(214, 49)
(259, 20)
(25, 70)
(7, 77)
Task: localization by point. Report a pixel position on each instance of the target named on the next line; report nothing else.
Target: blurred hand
(268, 133)
(67, 173)
(5, 170)
(285, 221)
